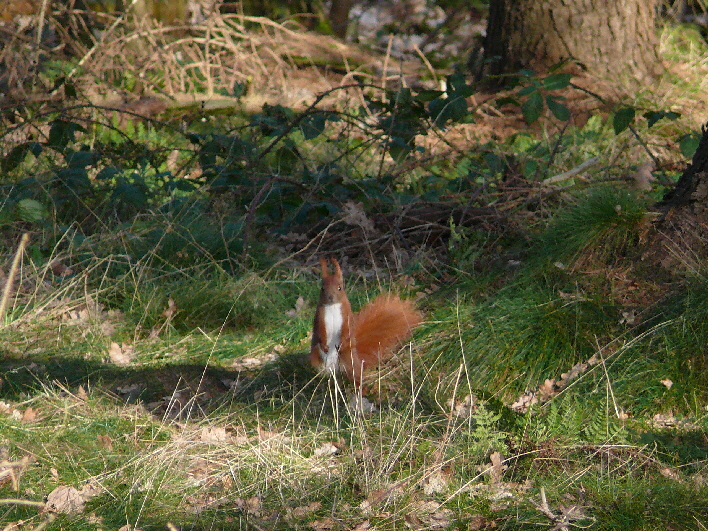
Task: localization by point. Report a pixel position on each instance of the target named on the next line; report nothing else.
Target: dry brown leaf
(326, 450)
(300, 305)
(91, 489)
(81, 393)
(480, 522)
(214, 434)
(666, 382)
(322, 525)
(413, 521)
(60, 270)
(462, 408)
(105, 441)
(436, 482)
(547, 389)
(353, 214)
(250, 505)
(497, 470)
(643, 177)
(171, 309)
(121, 354)
(300, 512)
(30, 415)
(524, 401)
(64, 500)
(362, 526)
(669, 473)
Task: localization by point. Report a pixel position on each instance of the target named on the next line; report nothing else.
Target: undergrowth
(157, 323)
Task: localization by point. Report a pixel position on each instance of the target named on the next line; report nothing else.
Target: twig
(11, 277)
(568, 174)
(632, 129)
(556, 148)
(311, 109)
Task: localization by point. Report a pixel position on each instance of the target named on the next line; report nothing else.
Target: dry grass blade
(10, 282)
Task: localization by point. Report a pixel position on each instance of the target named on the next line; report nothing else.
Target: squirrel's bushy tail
(379, 327)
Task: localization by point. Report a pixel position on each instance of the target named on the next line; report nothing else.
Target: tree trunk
(679, 239)
(339, 16)
(691, 190)
(609, 38)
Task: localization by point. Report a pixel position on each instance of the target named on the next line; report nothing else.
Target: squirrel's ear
(323, 265)
(337, 269)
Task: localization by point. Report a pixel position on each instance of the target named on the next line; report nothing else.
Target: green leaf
(557, 81)
(559, 110)
(428, 95)
(532, 107)
(623, 119)
(444, 109)
(689, 144)
(82, 159)
(654, 116)
(529, 89)
(130, 194)
(70, 90)
(62, 132)
(507, 101)
(107, 173)
(31, 210)
(17, 155)
(313, 125)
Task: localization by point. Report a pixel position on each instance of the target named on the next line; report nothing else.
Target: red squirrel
(342, 340)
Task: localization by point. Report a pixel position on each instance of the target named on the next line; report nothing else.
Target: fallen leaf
(362, 526)
(668, 383)
(60, 270)
(171, 309)
(669, 473)
(353, 214)
(91, 489)
(300, 305)
(435, 483)
(105, 441)
(524, 401)
(121, 354)
(643, 177)
(250, 505)
(30, 415)
(322, 525)
(214, 434)
(300, 512)
(462, 408)
(64, 500)
(326, 450)
(547, 389)
(497, 470)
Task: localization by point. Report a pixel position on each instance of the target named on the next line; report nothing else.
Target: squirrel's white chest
(332, 315)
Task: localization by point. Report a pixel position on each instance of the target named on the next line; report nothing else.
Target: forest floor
(156, 319)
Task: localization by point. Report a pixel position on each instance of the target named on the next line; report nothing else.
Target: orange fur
(378, 328)
(364, 339)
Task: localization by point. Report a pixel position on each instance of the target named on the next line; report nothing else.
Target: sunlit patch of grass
(518, 338)
(601, 227)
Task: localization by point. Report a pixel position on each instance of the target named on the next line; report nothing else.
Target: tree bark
(678, 241)
(610, 38)
(691, 190)
(339, 16)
